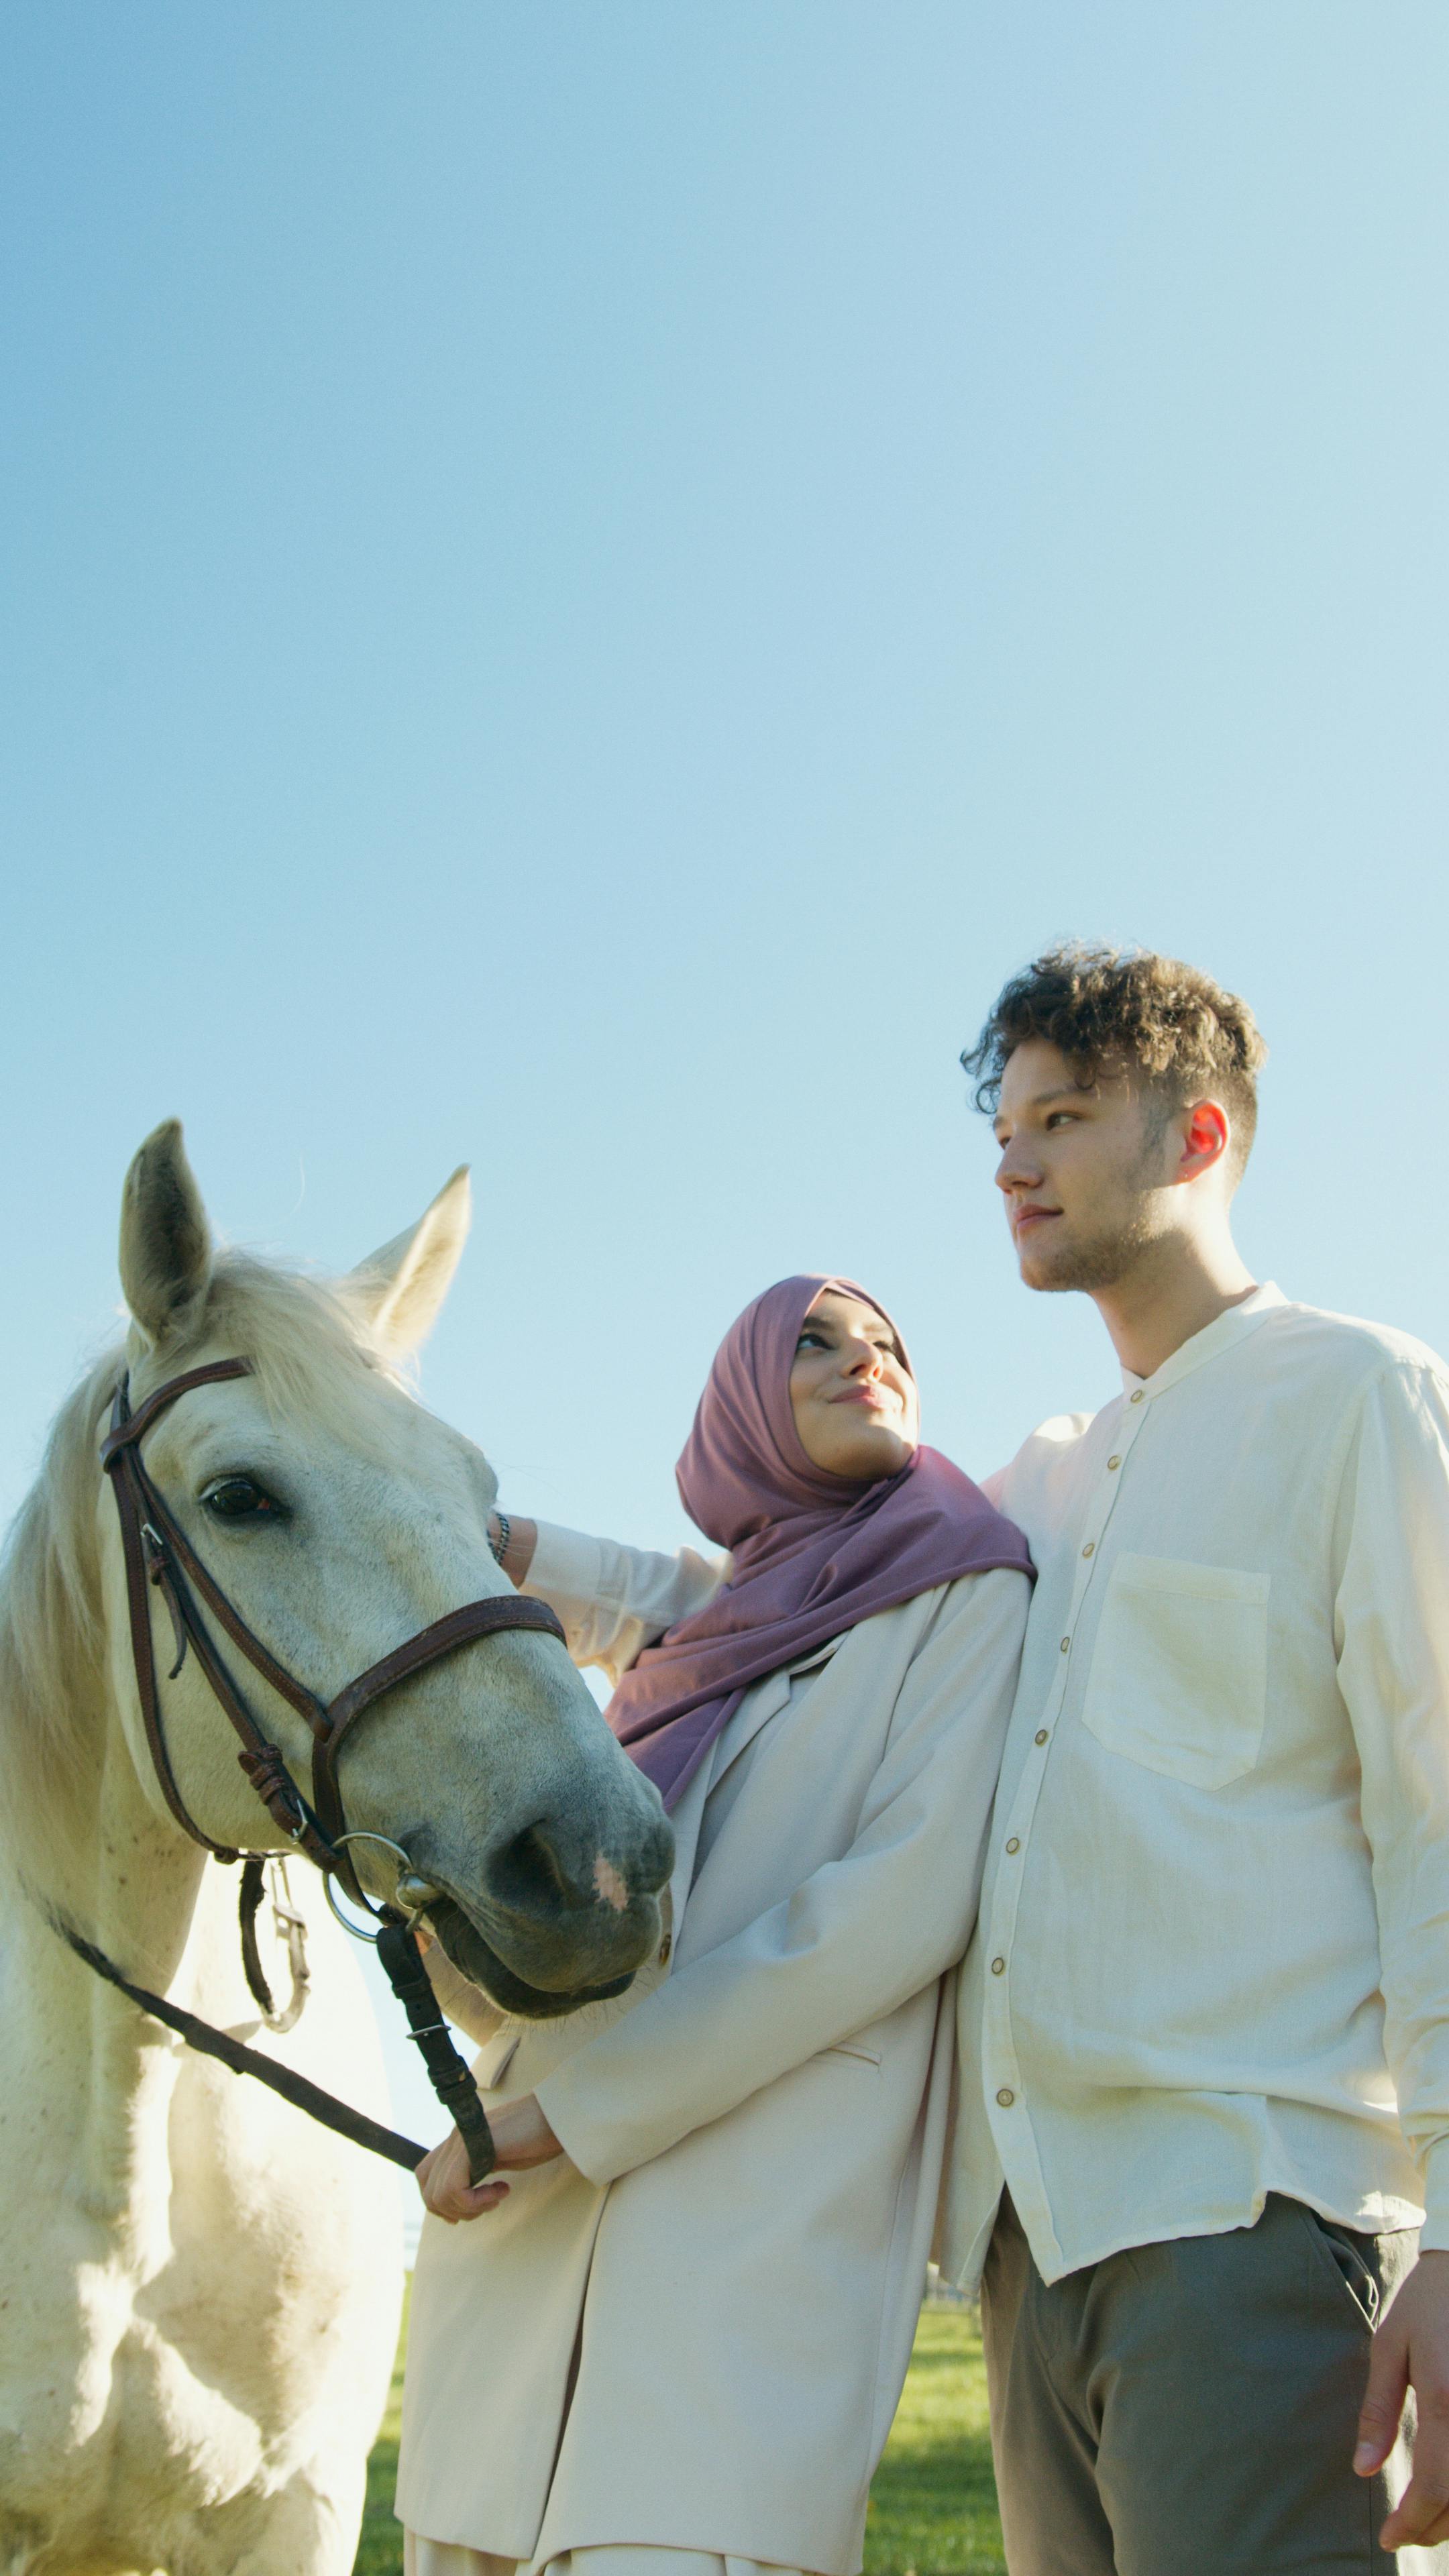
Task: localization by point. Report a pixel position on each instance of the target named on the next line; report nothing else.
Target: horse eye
(241, 1498)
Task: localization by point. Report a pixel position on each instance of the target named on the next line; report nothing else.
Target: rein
(160, 1558)
(208, 2041)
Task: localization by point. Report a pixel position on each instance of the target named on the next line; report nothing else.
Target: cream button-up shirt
(1213, 1954)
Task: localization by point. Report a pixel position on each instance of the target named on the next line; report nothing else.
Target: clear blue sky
(581, 583)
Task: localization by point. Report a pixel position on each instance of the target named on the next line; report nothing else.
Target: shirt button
(1066, 1645)
(998, 1967)
(1015, 1843)
(1041, 1735)
(1114, 1462)
(1091, 1548)
(1006, 2097)
(1137, 1398)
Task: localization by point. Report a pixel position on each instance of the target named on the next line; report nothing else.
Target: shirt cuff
(558, 2100)
(1434, 2163)
(566, 1566)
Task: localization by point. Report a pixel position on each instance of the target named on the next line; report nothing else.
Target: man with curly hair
(1209, 1995)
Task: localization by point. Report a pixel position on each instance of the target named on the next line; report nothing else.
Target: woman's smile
(853, 1397)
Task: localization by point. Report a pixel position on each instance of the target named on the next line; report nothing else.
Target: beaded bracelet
(505, 1536)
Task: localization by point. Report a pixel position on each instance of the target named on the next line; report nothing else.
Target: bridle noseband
(159, 1557)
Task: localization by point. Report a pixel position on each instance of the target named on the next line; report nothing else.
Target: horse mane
(313, 1348)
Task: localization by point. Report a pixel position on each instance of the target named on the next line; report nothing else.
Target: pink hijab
(813, 1553)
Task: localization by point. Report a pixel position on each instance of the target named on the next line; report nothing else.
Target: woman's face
(854, 1401)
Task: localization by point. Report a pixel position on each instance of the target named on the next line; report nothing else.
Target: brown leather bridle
(159, 1557)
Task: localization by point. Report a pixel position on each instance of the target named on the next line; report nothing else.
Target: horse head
(339, 1518)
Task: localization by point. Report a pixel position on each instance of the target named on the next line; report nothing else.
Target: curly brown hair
(1129, 1011)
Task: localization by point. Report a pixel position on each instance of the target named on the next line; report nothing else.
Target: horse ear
(165, 1238)
(403, 1286)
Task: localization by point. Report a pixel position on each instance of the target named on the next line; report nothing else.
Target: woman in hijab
(673, 2339)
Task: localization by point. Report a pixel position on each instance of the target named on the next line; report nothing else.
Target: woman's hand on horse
(521, 2136)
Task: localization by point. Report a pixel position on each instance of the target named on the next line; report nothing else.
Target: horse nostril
(527, 1874)
(547, 1867)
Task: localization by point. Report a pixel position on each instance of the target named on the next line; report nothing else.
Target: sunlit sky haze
(580, 584)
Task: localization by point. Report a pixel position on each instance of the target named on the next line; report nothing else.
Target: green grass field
(933, 2505)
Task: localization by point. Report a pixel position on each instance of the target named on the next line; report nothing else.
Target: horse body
(199, 2288)
(202, 2288)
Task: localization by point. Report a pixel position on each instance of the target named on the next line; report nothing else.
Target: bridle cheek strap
(130, 1485)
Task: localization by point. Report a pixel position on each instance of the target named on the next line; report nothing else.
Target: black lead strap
(450, 2078)
(402, 1962)
(210, 2042)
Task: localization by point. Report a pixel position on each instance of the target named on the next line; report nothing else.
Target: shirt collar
(1233, 1326)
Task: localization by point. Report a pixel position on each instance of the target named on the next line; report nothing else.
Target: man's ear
(403, 1285)
(1206, 1137)
(165, 1238)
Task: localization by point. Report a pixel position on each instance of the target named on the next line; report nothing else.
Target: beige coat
(731, 2259)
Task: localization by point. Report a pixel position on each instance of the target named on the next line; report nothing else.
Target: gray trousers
(1189, 2409)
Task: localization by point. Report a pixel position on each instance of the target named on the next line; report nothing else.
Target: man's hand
(1411, 2350)
(521, 2135)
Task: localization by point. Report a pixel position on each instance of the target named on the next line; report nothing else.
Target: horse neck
(131, 1886)
(83, 1840)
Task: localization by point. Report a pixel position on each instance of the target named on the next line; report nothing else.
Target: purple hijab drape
(813, 1553)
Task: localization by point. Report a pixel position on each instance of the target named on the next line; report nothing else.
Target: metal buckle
(290, 1928)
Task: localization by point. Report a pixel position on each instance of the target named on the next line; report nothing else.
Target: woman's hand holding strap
(521, 2137)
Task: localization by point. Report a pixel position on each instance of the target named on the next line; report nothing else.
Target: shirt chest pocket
(1179, 1674)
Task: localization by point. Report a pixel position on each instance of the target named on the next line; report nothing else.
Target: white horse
(200, 2288)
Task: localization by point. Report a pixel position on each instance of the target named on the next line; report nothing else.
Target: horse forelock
(315, 1357)
(311, 1344)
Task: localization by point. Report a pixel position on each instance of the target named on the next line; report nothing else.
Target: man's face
(1085, 1173)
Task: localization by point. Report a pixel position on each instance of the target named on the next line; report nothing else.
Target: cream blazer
(692, 2330)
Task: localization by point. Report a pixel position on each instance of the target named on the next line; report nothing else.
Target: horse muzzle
(556, 1921)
